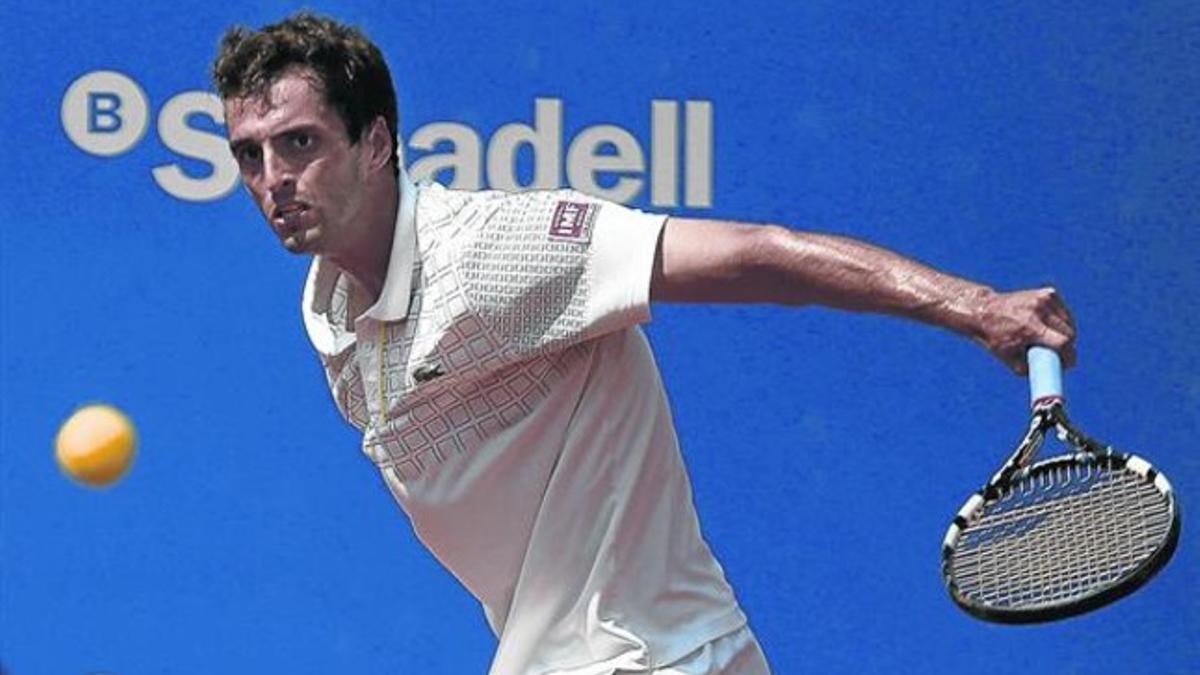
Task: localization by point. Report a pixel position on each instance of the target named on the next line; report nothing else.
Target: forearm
(800, 268)
(716, 261)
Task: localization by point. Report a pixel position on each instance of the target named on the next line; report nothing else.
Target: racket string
(1059, 535)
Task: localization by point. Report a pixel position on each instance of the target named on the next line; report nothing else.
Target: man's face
(297, 161)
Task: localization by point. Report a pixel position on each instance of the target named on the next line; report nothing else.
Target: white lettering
(699, 162)
(664, 153)
(584, 161)
(104, 113)
(545, 139)
(196, 144)
(464, 160)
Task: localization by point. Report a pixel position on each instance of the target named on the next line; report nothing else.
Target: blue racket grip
(1045, 374)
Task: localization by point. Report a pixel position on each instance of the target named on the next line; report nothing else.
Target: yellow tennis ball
(95, 446)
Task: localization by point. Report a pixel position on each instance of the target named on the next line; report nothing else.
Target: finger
(1057, 300)
(1066, 325)
(1057, 321)
(1060, 306)
(1068, 355)
(1014, 357)
(1063, 343)
(1047, 293)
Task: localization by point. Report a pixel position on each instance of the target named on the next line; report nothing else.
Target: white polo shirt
(515, 412)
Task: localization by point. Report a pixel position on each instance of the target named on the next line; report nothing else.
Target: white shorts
(736, 653)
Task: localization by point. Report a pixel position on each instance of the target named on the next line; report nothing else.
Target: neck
(366, 262)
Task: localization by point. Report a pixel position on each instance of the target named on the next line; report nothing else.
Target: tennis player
(487, 346)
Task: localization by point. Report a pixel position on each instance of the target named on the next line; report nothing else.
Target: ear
(377, 145)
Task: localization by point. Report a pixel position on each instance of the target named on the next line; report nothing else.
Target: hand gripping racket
(1065, 535)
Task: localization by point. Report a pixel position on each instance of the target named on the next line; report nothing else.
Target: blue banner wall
(1015, 143)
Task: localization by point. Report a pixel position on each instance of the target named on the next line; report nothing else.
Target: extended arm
(717, 261)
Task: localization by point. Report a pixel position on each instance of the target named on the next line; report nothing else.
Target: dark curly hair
(348, 66)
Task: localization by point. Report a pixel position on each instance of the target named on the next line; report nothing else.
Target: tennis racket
(1065, 535)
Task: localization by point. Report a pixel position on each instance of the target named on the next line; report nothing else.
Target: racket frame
(1049, 414)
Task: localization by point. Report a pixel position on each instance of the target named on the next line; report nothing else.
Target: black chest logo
(427, 372)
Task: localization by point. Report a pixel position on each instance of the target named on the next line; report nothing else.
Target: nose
(278, 175)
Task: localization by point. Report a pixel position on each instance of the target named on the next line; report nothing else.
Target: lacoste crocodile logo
(428, 372)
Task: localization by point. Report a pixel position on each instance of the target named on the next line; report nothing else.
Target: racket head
(1061, 537)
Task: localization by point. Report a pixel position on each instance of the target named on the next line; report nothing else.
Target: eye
(302, 140)
(248, 154)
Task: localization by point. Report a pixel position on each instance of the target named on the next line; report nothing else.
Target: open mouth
(287, 218)
(287, 210)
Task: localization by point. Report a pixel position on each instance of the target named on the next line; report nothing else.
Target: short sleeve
(550, 268)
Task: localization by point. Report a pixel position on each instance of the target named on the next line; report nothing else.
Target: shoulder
(534, 217)
(437, 203)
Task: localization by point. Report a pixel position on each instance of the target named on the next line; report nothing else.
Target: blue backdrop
(1016, 143)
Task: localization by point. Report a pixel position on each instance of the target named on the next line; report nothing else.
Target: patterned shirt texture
(514, 410)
